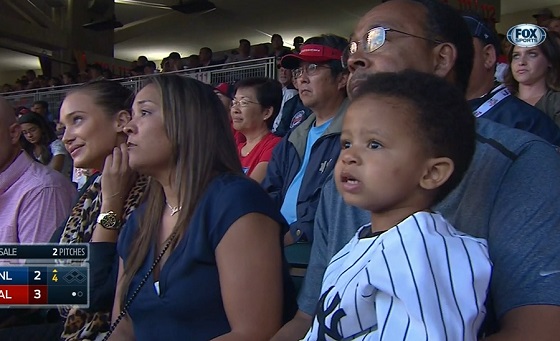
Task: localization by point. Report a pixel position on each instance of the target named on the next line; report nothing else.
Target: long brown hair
(197, 125)
(550, 48)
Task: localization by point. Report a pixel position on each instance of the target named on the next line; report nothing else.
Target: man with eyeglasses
(305, 157)
(509, 195)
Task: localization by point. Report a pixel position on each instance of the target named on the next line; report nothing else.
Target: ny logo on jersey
(322, 314)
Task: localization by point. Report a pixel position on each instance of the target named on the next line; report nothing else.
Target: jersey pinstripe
(420, 280)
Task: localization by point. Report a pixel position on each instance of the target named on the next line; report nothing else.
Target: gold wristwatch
(109, 220)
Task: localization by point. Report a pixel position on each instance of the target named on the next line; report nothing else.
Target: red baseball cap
(224, 89)
(311, 53)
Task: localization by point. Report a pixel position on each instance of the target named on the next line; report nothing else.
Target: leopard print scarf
(81, 324)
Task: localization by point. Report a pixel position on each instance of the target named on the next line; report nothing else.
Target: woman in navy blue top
(202, 258)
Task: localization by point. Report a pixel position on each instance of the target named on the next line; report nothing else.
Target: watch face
(110, 220)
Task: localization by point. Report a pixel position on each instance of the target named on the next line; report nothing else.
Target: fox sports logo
(526, 35)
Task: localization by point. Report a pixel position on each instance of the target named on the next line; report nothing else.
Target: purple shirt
(34, 201)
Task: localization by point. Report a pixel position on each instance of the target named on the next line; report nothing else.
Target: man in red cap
(304, 159)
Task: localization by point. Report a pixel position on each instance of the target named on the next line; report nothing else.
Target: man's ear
(123, 117)
(342, 80)
(445, 55)
(489, 52)
(438, 170)
(15, 133)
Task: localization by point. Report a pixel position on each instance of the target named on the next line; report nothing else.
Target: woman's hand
(117, 180)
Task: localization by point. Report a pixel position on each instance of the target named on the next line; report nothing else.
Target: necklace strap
(140, 285)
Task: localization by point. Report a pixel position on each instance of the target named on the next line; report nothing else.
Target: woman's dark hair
(550, 48)
(48, 135)
(268, 91)
(109, 95)
(202, 145)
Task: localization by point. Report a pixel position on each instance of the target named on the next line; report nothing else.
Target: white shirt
(420, 280)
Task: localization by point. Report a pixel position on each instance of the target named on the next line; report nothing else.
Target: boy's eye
(345, 144)
(374, 145)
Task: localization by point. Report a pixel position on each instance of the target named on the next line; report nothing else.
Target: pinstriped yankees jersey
(420, 280)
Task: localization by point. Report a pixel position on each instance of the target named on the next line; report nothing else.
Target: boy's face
(382, 161)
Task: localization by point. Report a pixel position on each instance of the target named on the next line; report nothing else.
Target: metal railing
(224, 73)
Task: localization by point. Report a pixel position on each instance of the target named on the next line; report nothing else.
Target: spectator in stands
(205, 56)
(142, 61)
(243, 52)
(298, 41)
(55, 81)
(94, 115)
(137, 71)
(305, 157)
(225, 94)
(68, 78)
(293, 114)
(40, 107)
(534, 75)
(107, 74)
(554, 25)
(223, 275)
(20, 84)
(288, 90)
(30, 75)
(95, 72)
(20, 111)
(43, 81)
(165, 65)
(7, 88)
(543, 16)
(150, 68)
(175, 63)
(192, 62)
(278, 49)
(255, 105)
(41, 143)
(34, 198)
(496, 200)
(259, 51)
(493, 101)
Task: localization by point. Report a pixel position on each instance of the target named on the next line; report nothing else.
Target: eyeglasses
(242, 103)
(374, 39)
(310, 70)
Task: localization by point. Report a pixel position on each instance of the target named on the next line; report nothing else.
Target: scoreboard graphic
(31, 276)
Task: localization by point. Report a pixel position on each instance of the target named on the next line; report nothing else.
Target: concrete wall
(525, 17)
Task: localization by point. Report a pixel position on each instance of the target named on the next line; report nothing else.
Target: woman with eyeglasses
(255, 105)
(534, 75)
(41, 143)
(202, 258)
